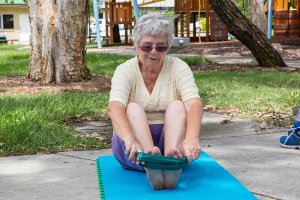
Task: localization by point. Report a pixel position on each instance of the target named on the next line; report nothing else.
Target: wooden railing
(115, 14)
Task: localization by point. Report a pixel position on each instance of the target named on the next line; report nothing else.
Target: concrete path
(252, 155)
(245, 60)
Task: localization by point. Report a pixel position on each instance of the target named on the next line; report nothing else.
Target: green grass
(104, 64)
(252, 94)
(38, 123)
(13, 61)
(4, 48)
(194, 60)
(32, 124)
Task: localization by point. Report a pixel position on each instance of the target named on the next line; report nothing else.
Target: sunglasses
(149, 48)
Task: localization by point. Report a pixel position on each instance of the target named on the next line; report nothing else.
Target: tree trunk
(58, 37)
(257, 14)
(247, 33)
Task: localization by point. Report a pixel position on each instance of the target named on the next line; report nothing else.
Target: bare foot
(171, 176)
(155, 176)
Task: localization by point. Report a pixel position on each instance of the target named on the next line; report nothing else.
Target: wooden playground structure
(187, 13)
(216, 30)
(286, 18)
(185, 10)
(115, 14)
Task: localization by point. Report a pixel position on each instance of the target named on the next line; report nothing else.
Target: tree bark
(58, 37)
(251, 36)
(257, 14)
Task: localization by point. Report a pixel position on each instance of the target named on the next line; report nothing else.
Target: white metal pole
(270, 10)
(96, 15)
(136, 9)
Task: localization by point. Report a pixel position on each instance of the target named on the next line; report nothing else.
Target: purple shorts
(118, 147)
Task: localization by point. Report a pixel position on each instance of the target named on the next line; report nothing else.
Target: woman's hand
(191, 148)
(132, 147)
(191, 144)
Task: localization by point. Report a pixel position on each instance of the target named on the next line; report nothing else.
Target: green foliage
(169, 14)
(203, 24)
(292, 4)
(243, 6)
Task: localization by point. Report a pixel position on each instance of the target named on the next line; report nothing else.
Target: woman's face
(152, 50)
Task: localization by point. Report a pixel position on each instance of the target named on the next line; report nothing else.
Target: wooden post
(286, 5)
(198, 18)
(111, 17)
(181, 24)
(298, 4)
(207, 20)
(106, 23)
(187, 17)
(176, 10)
(277, 5)
(176, 27)
(194, 17)
(123, 17)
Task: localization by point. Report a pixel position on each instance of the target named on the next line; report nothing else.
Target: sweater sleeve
(121, 84)
(186, 86)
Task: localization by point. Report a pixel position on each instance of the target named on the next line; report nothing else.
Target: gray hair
(153, 24)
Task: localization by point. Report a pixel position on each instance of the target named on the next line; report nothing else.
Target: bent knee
(176, 105)
(176, 108)
(133, 108)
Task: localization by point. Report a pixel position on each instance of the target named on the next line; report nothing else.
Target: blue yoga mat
(201, 179)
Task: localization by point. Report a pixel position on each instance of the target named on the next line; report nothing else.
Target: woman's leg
(175, 127)
(139, 123)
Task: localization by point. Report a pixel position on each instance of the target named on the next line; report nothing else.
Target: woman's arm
(191, 143)
(116, 111)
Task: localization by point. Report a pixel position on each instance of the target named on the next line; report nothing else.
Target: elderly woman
(154, 103)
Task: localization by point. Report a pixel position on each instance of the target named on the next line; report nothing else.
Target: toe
(156, 151)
